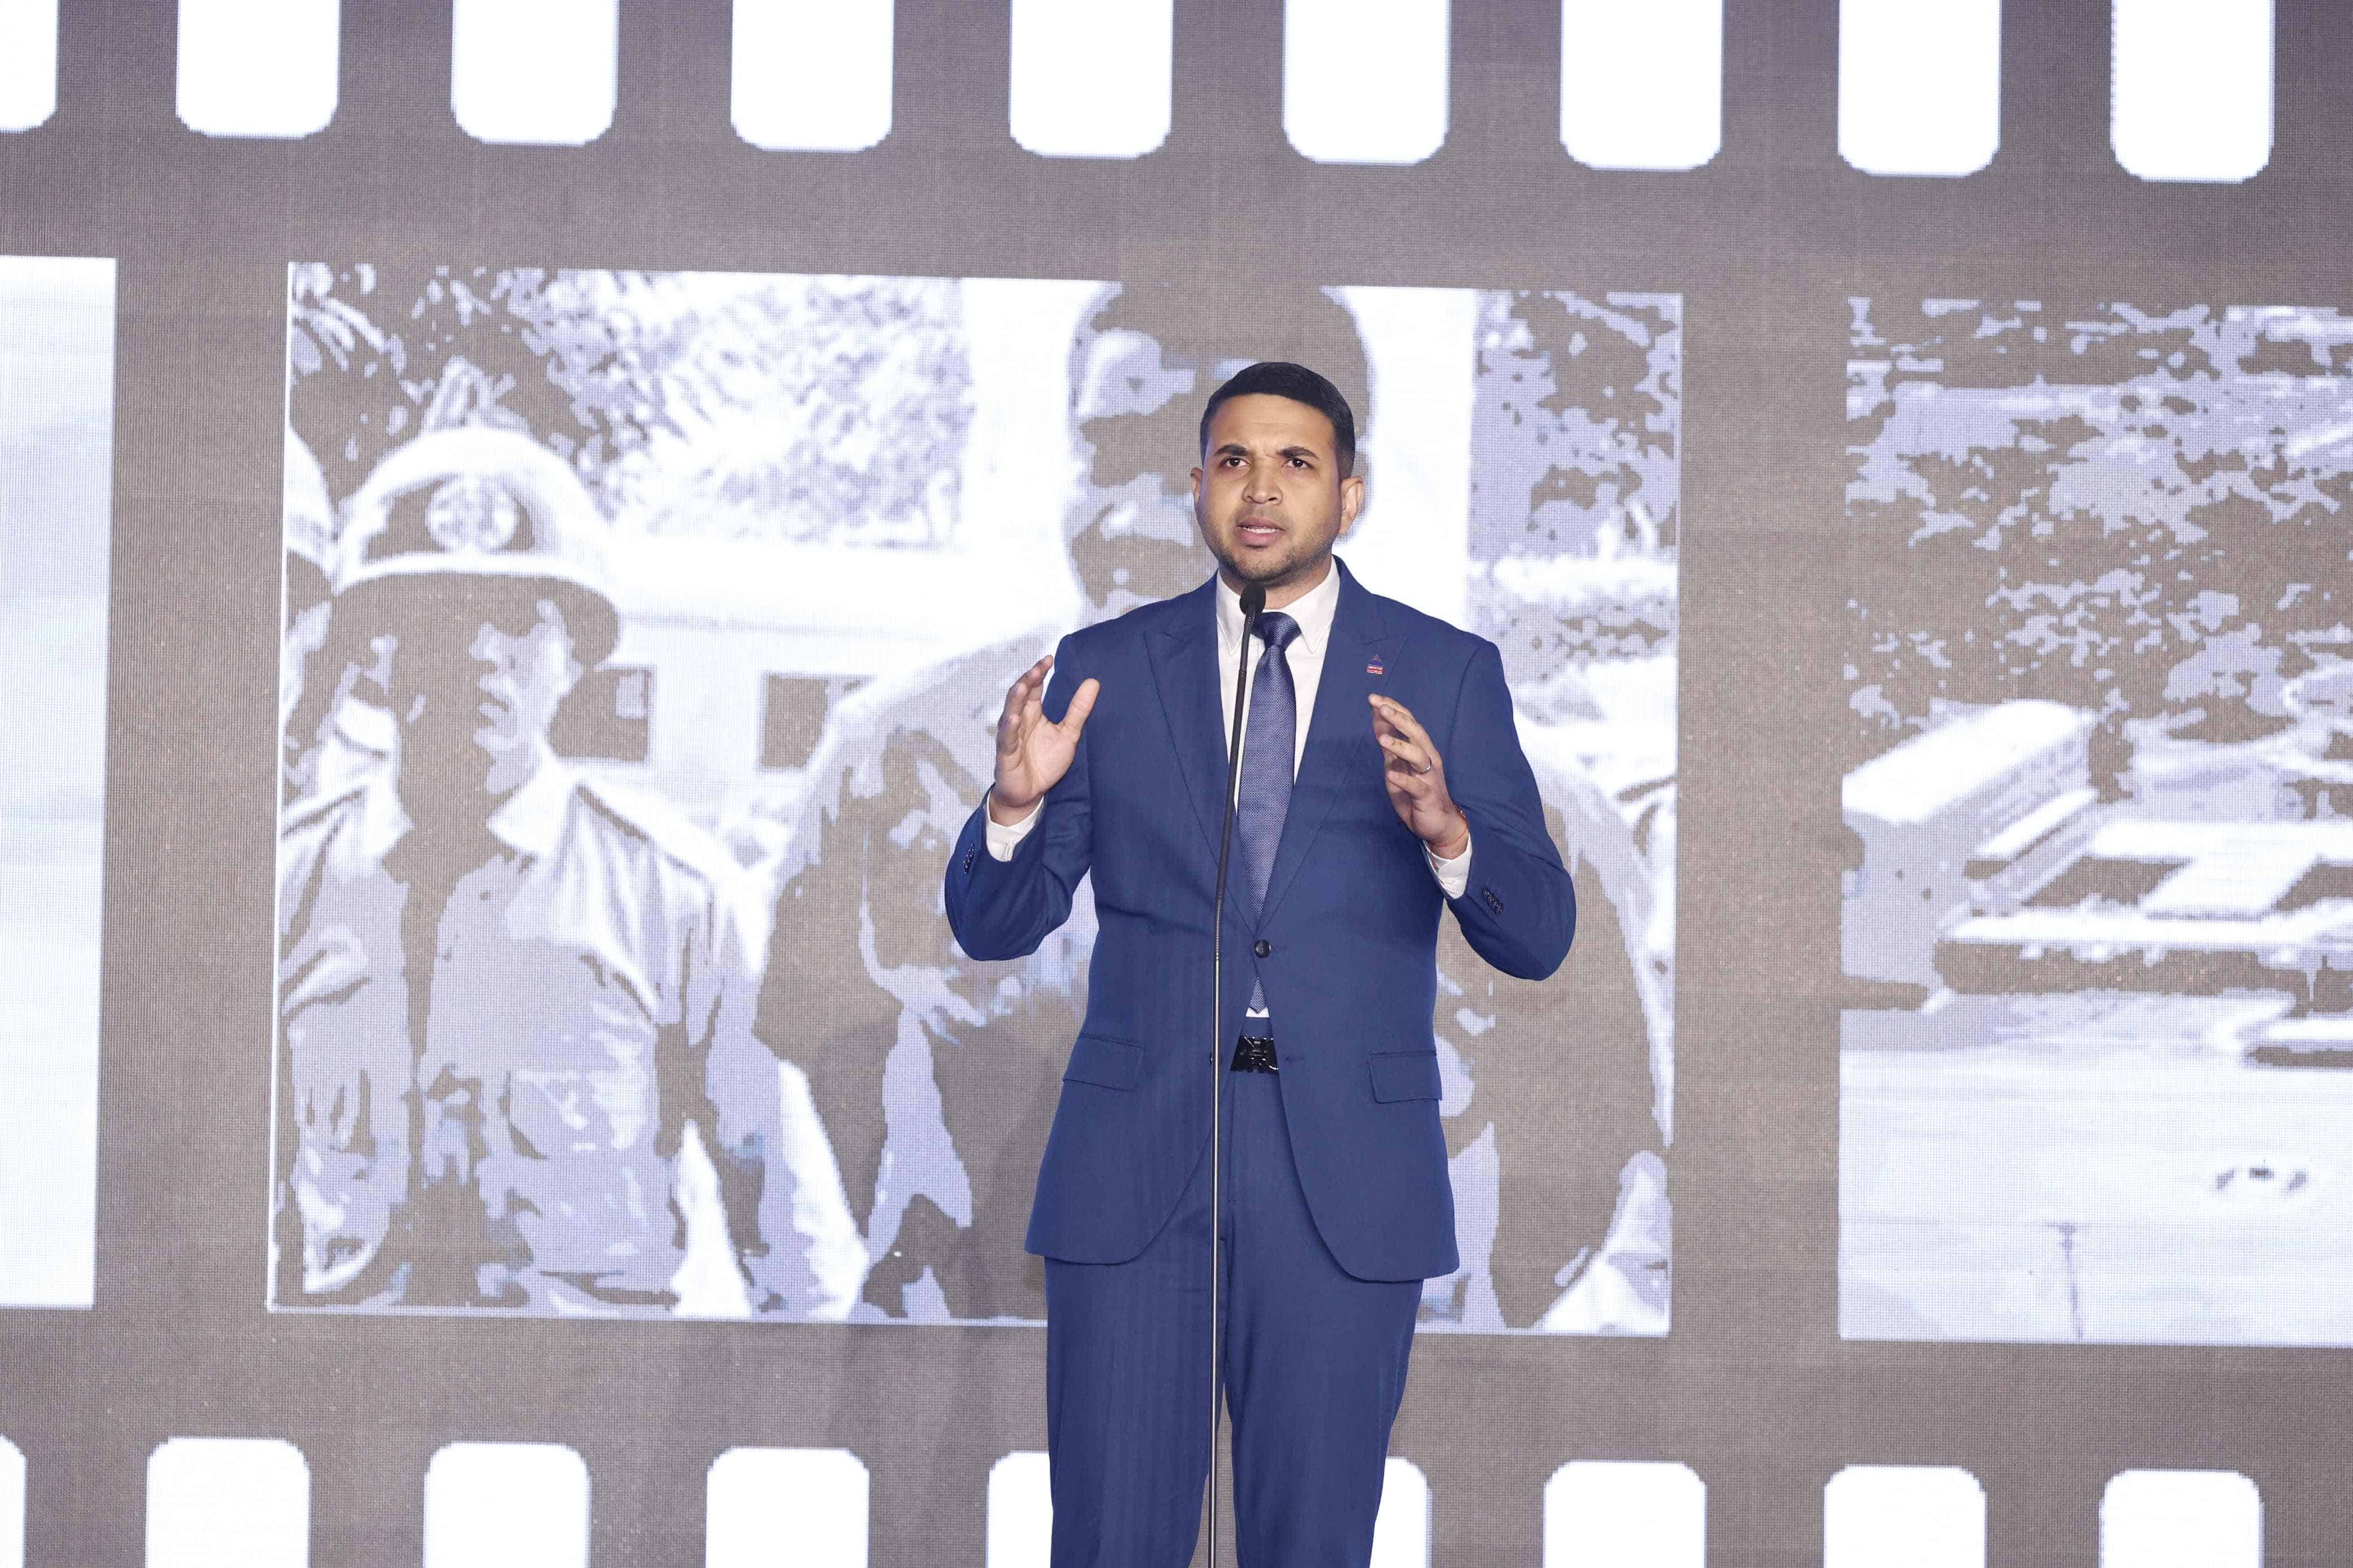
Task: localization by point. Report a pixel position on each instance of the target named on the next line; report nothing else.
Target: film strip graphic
(493, 1505)
(1365, 81)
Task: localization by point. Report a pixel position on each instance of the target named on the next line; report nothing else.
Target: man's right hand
(1033, 753)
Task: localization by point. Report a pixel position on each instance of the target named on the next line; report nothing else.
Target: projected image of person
(733, 441)
(2099, 766)
(938, 1075)
(515, 1004)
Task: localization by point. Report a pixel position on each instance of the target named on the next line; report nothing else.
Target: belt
(1255, 1053)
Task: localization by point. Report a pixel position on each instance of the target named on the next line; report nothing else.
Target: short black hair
(1281, 378)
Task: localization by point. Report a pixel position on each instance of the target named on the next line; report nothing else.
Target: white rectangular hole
(1613, 1511)
(1923, 1516)
(534, 71)
(212, 1500)
(28, 63)
(2180, 1519)
(506, 1505)
(1641, 86)
(1364, 82)
(2193, 90)
(1020, 1512)
(815, 1497)
(1090, 80)
(811, 75)
(258, 68)
(1401, 1530)
(1919, 86)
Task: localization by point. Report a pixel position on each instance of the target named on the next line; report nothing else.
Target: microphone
(1253, 604)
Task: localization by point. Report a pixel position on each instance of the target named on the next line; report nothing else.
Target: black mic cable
(1253, 601)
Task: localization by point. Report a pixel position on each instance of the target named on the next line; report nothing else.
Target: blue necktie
(1268, 750)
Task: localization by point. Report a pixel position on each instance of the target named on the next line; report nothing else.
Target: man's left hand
(1416, 777)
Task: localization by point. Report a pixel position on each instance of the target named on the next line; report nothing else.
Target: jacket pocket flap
(1405, 1075)
(1113, 1064)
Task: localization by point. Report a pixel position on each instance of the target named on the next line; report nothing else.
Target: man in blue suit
(1381, 780)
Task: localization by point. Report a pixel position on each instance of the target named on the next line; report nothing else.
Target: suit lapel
(1184, 653)
(1339, 733)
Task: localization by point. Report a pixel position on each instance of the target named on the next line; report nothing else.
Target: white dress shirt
(1313, 611)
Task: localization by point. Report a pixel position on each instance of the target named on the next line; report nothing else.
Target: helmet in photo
(309, 525)
(474, 504)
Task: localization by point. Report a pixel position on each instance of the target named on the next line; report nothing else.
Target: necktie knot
(1277, 629)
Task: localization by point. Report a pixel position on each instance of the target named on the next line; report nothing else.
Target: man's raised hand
(1032, 752)
(1415, 777)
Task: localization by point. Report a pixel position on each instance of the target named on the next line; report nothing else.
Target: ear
(1352, 500)
(572, 669)
(1197, 486)
(551, 615)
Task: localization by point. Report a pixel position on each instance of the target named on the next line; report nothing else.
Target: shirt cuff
(1003, 841)
(1453, 876)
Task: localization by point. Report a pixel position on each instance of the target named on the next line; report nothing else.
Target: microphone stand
(1253, 601)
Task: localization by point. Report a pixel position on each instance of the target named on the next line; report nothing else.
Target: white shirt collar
(1313, 610)
(530, 820)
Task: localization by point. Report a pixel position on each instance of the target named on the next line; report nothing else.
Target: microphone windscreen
(1253, 599)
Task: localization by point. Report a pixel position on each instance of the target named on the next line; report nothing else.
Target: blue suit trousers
(1315, 1365)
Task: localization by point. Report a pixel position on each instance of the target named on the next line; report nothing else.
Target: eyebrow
(1292, 451)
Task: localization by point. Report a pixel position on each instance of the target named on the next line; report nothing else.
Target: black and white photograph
(2098, 797)
(644, 639)
(56, 473)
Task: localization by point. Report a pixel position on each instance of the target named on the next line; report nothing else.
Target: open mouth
(1255, 531)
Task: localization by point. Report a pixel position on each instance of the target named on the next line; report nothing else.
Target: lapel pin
(1375, 668)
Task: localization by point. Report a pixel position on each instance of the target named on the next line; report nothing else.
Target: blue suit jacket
(1350, 923)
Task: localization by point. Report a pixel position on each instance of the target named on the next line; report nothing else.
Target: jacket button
(1262, 947)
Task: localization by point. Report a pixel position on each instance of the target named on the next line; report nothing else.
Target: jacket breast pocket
(1405, 1075)
(1099, 1059)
